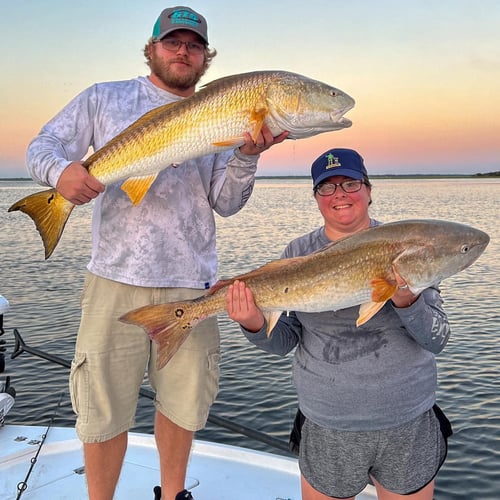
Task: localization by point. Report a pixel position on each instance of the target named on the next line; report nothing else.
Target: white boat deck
(215, 472)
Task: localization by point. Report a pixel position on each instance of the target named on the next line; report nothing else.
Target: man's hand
(77, 185)
(263, 141)
(241, 307)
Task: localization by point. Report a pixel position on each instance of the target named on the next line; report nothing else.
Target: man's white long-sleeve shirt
(168, 240)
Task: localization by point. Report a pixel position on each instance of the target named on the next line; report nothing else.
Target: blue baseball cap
(179, 18)
(338, 161)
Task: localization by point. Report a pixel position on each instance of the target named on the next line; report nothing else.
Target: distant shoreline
(394, 176)
(374, 176)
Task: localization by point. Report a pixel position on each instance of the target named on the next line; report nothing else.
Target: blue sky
(425, 74)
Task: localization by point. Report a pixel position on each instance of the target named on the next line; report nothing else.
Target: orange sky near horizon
(425, 75)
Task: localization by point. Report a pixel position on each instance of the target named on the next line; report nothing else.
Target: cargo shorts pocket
(79, 387)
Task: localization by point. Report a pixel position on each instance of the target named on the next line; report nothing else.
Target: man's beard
(175, 80)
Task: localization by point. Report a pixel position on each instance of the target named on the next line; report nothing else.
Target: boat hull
(215, 472)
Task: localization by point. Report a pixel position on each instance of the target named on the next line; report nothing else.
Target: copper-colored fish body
(357, 270)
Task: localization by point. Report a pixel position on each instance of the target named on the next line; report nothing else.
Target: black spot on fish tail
(179, 312)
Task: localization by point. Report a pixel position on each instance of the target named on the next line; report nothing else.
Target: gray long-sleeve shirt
(168, 240)
(377, 376)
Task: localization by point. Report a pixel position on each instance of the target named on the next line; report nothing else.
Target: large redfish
(212, 120)
(356, 270)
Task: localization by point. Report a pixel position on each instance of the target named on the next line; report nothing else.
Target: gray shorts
(403, 459)
(111, 359)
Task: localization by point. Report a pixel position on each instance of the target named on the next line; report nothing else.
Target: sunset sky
(425, 74)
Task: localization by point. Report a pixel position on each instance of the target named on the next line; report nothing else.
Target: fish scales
(356, 270)
(192, 127)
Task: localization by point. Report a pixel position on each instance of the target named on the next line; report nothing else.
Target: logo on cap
(185, 17)
(333, 161)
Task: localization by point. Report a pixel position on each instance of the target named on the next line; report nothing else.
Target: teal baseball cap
(179, 18)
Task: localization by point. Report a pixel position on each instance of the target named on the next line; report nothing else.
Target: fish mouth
(344, 122)
(339, 119)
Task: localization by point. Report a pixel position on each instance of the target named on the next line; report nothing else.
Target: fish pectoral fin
(137, 187)
(257, 118)
(382, 291)
(271, 318)
(368, 310)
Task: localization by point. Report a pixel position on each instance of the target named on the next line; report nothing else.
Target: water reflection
(255, 387)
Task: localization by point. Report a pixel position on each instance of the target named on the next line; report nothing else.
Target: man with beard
(161, 250)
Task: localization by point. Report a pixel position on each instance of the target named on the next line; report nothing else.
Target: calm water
(255, 388)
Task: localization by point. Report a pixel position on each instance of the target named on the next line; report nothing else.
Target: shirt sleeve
(232, 181)
(284, 336)
(425, 320)
(65, 138)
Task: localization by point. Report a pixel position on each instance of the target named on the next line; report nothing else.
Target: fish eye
(464, 249)
(333, 93)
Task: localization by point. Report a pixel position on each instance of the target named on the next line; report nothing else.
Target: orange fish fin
(382, 290)
(166, 324)
(233, 142)
(257, 118)
(50, 212)
(367, 311)
(271, 318)
(137, 187)
(220, 284)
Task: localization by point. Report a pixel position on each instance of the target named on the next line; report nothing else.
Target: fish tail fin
(50, 212)
(167, 324)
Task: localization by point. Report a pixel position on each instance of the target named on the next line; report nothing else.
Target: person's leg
(185, 389)
(174, 446)
(309, 493)
(409, 458)
(425, 493)
(103, 462)
(106, 374)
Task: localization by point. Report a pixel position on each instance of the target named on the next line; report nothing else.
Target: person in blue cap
(162, 250)
(366, 394)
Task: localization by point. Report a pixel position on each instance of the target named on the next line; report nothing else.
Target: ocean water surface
(255, 388)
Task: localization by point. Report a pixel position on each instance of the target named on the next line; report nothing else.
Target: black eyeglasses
(329, 188)
(173, 45)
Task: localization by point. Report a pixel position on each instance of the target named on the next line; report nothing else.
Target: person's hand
(403, 297)
(263, 141)
(77, 185)
(241, 307)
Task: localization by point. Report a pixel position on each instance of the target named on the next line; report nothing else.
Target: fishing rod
(4, 307)
(23, 485)
(20, 346)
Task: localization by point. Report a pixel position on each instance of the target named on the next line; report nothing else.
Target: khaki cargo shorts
(111, 359)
